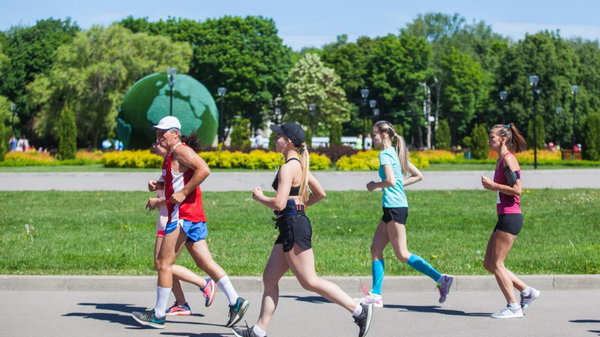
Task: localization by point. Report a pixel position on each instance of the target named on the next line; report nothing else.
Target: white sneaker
(507, 312)
(374, 299)
(526, 300)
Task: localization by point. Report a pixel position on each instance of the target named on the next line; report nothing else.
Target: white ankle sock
(258, 331)
(357, 311)
(162, 296)
(526, 292)
(514, 306)
(226, 286)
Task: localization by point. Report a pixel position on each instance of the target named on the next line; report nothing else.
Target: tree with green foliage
(311, 82)
(335, 135)
(464, 90)
(240, 135)
(442, 136)
(32, 51)
(591, 137)
(92, 74)
(244, 55)
(541, 132)
(480, 145)
(548, 56)
(67, 134)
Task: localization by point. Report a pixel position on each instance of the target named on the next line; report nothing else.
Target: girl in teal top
(395, 172)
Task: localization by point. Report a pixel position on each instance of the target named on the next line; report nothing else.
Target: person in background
(368, 142)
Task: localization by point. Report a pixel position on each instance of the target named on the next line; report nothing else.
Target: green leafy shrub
(591, 137)
(479, 142)
(442, 136)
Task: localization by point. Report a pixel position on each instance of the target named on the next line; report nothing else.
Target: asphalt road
(246, 181)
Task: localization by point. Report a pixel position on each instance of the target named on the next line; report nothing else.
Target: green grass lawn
(100, 168)
(110, 233)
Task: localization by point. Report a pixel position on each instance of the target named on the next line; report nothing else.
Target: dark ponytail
(515, 142)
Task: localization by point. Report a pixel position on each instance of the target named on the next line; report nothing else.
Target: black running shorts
(398, 214)
(510, 223)
(294, 229)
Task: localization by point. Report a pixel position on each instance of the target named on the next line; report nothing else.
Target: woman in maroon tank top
(506, 139)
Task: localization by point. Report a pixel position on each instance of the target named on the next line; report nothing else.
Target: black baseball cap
(293, 131)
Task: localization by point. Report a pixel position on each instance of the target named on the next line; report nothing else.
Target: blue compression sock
(377, 270)
(424, 267)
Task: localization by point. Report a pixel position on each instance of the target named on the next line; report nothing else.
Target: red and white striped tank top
(191, 208)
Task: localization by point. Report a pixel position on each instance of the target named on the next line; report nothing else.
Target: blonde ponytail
(305, 165)
(385, 127)
(402, 152)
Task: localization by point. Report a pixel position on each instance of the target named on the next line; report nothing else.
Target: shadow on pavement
(196, 335)
(437, 310)
(126, 319)
(310, 299)
(587, 321)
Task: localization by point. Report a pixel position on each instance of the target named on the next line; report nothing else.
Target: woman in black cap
(296, 189)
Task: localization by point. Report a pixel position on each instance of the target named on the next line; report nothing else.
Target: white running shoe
(526, 300)
(444, 287)
(507, 312)
(374, 299)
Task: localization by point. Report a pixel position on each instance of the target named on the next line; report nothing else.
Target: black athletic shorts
(510, 223)
(398, 214)
(294, 229)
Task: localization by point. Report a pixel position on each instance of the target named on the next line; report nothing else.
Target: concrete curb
(253, 283)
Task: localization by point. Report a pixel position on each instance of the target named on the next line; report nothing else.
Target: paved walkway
(99, 306)
(331, 181)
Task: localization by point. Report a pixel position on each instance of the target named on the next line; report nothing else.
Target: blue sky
(314, 22)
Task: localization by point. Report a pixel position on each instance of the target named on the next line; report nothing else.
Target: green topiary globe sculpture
(147, 101)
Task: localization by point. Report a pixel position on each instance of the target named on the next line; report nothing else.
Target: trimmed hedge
(256, 159)
(34, 158)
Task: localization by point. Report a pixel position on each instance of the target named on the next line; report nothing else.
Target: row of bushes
(216, 159)
(34, 158)
(257, 159)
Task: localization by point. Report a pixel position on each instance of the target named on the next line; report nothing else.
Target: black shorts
(398, 214)
(510, 223)
(294, 229)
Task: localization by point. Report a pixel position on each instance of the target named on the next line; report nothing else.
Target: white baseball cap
(167, 123)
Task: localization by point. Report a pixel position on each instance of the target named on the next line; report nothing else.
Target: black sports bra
(294, 190)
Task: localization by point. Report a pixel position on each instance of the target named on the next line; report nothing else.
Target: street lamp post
(171, 77)
(503, 95)
(364, 93)
(13, 108)
(221, 91)
(533, 82)
(311, 114)
(574, 90)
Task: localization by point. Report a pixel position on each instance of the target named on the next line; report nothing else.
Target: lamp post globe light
(533, 82)
(171, 77)
(503, 95)
(373, 104)
(277, 115)
(574, 91)
(221, 91)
